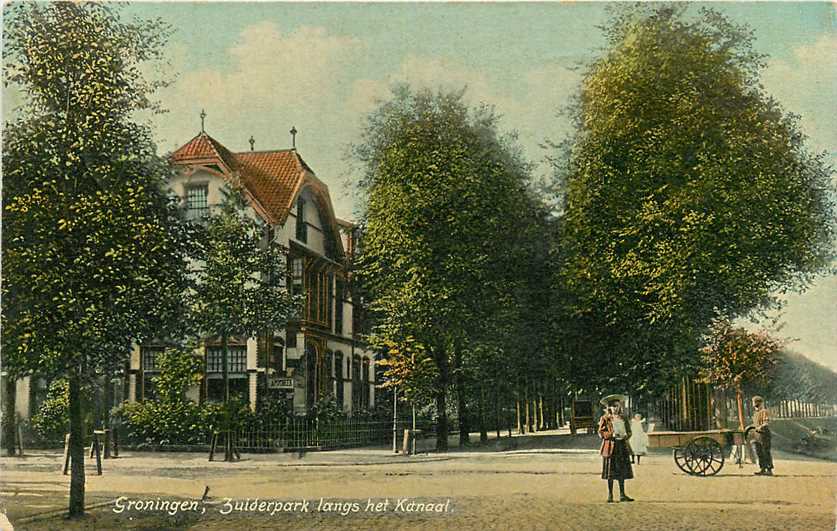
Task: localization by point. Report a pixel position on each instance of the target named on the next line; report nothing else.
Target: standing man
(762, 437)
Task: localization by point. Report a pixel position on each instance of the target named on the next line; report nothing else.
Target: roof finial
(293, 133)
(252, 142)
(203, 116)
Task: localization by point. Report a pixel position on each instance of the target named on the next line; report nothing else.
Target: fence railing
(301, 433)
(783, 409)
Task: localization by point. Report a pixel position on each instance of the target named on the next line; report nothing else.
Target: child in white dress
(639, 439)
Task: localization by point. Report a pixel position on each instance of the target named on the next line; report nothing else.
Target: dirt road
(524, 489)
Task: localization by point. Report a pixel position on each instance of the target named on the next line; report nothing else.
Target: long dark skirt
(618, 465)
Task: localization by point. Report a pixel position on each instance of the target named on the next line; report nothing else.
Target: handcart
(699, 453)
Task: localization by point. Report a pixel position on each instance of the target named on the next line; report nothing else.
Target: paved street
(543, 488)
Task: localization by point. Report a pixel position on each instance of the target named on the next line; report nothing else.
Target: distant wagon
(582, 416)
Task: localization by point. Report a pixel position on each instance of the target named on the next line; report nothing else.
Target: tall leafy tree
(92, 247)
(440, 187)
(240, 284)
(690, 194)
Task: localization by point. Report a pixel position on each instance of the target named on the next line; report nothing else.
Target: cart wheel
(704, 456)
(682, 462)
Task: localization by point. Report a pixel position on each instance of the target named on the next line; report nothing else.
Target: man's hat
(757, 398)
(612, 398)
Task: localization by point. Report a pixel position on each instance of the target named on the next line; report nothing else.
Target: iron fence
(782, 409)
(311, 433)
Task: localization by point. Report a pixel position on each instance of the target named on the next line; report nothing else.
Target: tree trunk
(108, 399)
(535, 419)
(517, 409)
(526, 420)
(225, 372)
(461, 406)
(497, 414)
(76, 507)
(9, 414)
(442, 422)
(483, 429)
(739, 398)
(441, 402)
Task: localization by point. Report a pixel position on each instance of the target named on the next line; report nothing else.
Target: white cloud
(274, 78)
(806, 84)
(528, 103)
(311, 78)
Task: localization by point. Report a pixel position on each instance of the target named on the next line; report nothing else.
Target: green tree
(240, 284)
(690, 194)
(179, 370)
(440, 187)
(734, 357)
(92, 246)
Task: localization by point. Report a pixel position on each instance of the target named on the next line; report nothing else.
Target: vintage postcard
(419, 265)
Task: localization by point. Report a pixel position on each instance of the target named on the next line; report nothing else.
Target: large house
(315, 356)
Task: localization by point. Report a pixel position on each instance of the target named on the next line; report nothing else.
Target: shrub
(173, 418)
(52, 420)
(157, 422)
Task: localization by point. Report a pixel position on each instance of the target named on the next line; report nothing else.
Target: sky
(260, 68)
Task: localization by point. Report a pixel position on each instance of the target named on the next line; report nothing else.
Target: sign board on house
(275, 381)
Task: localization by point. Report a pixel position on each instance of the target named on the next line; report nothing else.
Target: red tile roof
(272, 177)
(204, 147)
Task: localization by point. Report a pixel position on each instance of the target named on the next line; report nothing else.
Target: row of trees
(97, 255)
(687, 199)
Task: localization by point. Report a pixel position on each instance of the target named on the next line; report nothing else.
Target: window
(149, 358)
(301, 226)
(338, 309)
(236, 372)
(329, 370)
(148, 361)
(314, 296)
(364, 394)
(239, 389)
(356, 400)
(196, 205)
(338, 375)
(236, 359)
(329, 298)
(297, 267)
(319, 285)
(276, 356)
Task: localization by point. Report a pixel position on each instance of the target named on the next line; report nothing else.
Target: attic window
(301, 226)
